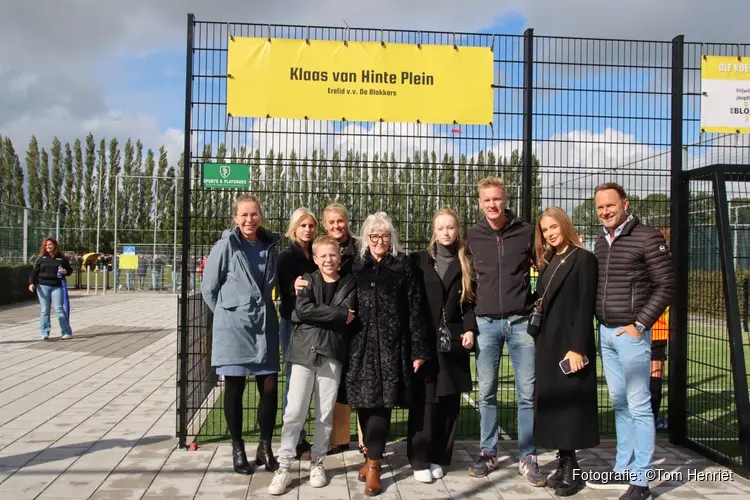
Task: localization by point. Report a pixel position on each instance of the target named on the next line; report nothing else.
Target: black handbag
(536, 317)
(447, 342)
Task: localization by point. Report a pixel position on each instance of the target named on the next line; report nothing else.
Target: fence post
(25, 252)
(115, 258)
(174, 236)
(57, 226)
(745, 300)
(678, 317)
(182, 345)
(528, 121)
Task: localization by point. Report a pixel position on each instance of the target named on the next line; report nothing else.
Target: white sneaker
(423, 476)
(281, 479)
(437, 471)
(317, 475)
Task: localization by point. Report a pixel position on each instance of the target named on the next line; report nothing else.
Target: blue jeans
(627, 369)
(155, 279)
(54, 295)
(493, 334)
(129, 279)
(285, 335)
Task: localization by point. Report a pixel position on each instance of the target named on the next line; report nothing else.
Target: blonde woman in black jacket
(445, 272)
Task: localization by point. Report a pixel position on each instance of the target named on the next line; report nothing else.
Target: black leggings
(266, 413)
(375, 424)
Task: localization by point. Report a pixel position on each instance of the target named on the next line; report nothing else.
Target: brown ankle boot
(363, 471)
(372, 480)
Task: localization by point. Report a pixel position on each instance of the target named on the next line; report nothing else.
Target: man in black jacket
(502, 251)
(636, 285)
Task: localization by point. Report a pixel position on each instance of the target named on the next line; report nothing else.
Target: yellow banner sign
(725, 95)
(128, 261)
(359, 81)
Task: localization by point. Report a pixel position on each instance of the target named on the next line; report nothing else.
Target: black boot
(239, 459)
(556, 478)
(264, 456)
(570, 483)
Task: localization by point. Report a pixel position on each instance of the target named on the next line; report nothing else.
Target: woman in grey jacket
(238, 281)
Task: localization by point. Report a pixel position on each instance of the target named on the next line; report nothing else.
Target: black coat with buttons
(390, 333)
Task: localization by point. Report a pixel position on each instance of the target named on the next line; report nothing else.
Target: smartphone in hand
(565, 364)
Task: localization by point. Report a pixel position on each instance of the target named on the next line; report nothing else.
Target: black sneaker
(636, 493)
(304, 450)
(339, 448)
(607, 480)
(484, 464)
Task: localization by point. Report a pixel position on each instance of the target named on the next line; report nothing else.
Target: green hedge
(706, 292)
(14, 284)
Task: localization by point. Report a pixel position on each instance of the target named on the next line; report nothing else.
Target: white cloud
(574, 163)
(49, 73)
(59, 121)
(400, 139)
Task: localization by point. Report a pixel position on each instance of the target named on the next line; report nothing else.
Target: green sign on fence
(226, 175)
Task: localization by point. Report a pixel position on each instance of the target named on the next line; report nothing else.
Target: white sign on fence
(725, 94)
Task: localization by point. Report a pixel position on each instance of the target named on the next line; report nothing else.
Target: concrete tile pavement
(94, 418)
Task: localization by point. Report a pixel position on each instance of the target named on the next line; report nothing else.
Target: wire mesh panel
(407, 170)
(602, 114)
(582, 111)
(702, 148)
(716, 361)
(711, 410)
(147, 267)
(22, 231)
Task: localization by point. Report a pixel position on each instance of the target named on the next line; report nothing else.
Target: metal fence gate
(714, 406)
(569, 114)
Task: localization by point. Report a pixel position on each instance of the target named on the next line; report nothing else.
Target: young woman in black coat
(293, 262)
(445, 272)
(566, 413)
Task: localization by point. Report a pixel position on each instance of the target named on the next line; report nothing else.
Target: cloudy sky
(116, 68)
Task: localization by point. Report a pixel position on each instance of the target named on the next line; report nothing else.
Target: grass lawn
(711, 418)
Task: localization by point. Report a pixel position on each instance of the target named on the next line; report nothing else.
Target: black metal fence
(569, 114)
(712, 412)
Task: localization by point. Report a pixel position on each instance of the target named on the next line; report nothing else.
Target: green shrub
(706, 292)
(14, 284)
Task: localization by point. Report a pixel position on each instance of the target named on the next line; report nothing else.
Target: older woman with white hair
(390, 343)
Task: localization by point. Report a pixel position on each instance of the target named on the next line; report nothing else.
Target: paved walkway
(94, 418)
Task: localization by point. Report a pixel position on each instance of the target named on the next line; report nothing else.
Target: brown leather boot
(372, 481)
(363, 470)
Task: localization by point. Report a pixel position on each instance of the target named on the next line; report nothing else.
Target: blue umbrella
(66, 298)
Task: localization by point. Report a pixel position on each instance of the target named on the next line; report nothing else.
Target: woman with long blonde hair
(445, 273)
(294, 261)
(566, 415)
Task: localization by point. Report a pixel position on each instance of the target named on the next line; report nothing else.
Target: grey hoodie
(245, 328)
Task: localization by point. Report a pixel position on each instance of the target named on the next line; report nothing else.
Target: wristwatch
(640, 328)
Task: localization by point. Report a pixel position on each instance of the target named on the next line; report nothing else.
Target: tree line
(410, 190)
(79, 181)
